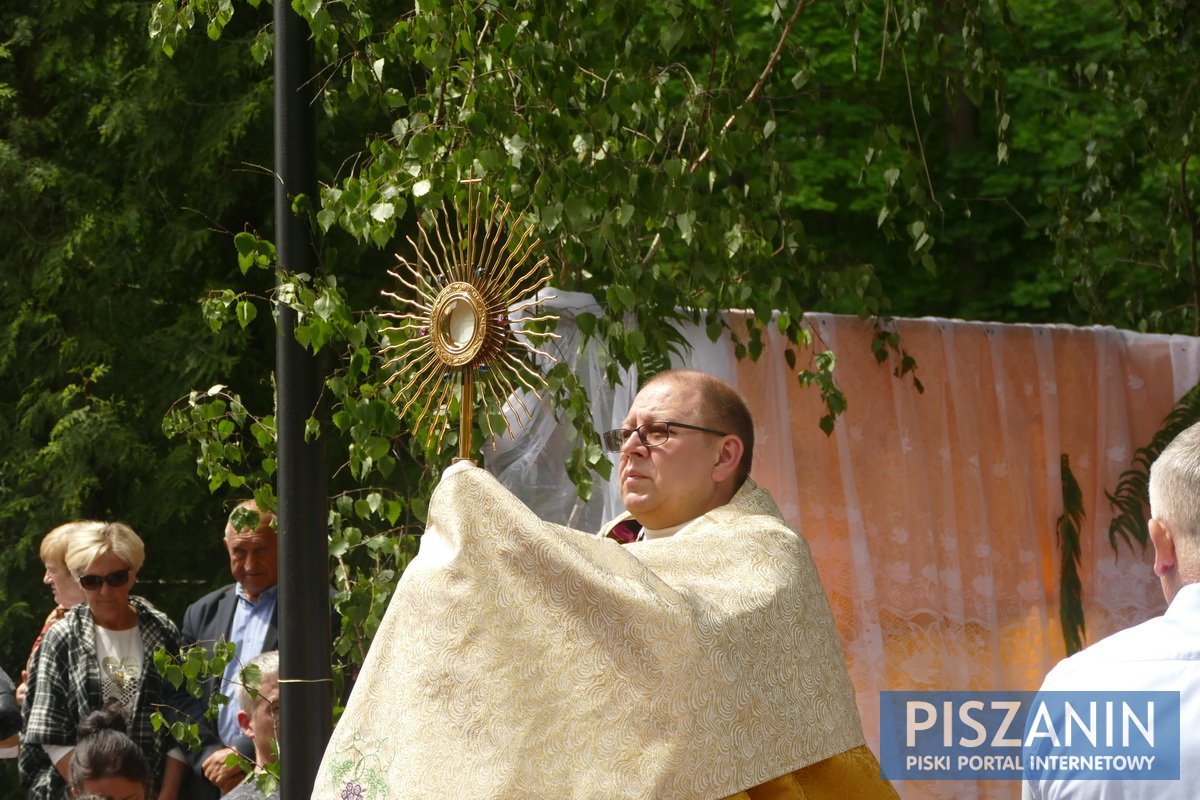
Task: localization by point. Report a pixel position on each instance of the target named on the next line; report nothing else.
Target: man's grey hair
(1175, 484)
(268, 667)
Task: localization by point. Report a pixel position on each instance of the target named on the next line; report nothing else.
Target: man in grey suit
(244, 613)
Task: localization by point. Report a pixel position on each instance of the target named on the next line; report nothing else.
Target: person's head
(253, 555)
(53, 553)
(105, 561)
(106, 761)
(1175, 512)
(706, 454)
(258, 701)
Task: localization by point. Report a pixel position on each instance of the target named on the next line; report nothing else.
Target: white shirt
(648, 534)
(119, 655)
(119, 658)
(1161, 654)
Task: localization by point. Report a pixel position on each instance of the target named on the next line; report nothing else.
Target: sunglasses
(113, 579)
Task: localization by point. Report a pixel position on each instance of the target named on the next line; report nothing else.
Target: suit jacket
(205, 622)
(209, 619)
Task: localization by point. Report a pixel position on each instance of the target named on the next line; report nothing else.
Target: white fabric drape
(931, 516)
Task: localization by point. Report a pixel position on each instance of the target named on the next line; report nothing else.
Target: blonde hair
(108, 537)
(54, 543)
(1175, 484)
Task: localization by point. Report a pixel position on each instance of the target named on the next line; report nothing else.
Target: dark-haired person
(102, 651)
(693, 657)
(105, 760)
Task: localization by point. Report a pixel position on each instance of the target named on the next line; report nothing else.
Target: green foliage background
(1015, 161)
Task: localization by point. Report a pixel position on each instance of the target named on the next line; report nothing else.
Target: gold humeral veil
(521, 659)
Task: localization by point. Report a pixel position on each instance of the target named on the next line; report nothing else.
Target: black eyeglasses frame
(614, 440)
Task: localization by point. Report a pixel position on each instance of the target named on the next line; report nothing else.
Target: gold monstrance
(467, 281)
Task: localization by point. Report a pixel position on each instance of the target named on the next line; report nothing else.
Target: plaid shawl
(64, 687)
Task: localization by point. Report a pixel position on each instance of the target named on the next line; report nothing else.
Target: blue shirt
(251, 618)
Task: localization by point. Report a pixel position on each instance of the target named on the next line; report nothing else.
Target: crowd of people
(83, 713)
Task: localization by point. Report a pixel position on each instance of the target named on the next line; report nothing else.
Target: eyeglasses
(652, 434)
(113, 579)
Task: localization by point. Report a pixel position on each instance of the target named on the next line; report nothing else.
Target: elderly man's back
(1162, 654)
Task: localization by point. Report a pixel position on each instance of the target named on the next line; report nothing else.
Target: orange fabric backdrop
(932, 517)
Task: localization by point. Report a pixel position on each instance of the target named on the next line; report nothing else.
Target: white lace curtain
(931, 515)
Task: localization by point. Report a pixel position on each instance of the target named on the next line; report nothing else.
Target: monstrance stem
(466, 414)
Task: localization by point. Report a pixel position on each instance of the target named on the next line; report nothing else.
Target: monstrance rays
(454, 337)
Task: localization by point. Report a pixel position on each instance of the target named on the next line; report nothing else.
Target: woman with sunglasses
(102, 652)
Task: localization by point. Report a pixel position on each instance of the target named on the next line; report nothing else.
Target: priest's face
(673, 482)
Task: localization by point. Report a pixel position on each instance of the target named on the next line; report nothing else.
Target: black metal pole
(305, 649)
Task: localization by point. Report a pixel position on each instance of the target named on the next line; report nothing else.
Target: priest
(688, 651)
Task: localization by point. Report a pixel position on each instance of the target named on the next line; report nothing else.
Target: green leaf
(684, 222)
(586, 323)
(307, 8)
(246, 312)
(325, 218)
